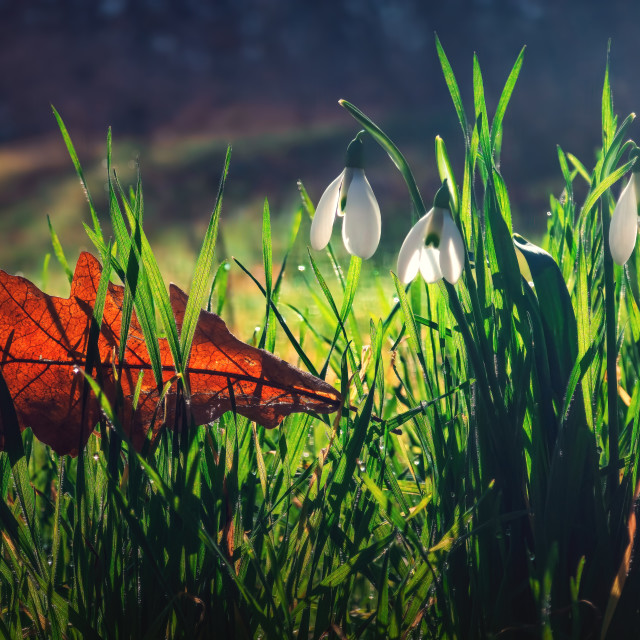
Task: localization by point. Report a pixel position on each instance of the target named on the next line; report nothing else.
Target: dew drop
(548, 214)
(76, 371)
(301, 267)
(95, 457)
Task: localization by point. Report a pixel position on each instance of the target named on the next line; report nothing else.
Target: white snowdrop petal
(451, 250)
(623, 231)
(322, 222)
(411, 250)
(361, 226)
(430, 264)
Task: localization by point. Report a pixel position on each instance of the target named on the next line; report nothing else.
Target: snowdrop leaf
(556, 311)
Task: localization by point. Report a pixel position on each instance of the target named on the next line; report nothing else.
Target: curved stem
(394, 153)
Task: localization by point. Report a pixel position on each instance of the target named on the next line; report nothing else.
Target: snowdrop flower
(434, 245)
(350, 197)
(623, 230)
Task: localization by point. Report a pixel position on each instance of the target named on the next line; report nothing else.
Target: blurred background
(178, 80)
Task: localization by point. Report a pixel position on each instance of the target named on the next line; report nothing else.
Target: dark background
(177, 81)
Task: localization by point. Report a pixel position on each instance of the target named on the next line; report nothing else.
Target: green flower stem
(394, 153)
(612, 374)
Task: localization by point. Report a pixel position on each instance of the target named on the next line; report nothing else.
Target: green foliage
(477, 482)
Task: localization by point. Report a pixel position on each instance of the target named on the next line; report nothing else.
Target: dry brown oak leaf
(43, 344)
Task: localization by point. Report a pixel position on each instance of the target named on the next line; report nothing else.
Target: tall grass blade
(452, 85)
(59, 251)
(76, 163)
(198, 288)
(496, 125)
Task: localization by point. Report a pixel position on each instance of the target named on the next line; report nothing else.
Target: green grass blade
(496, 125)
(198, 288)
(268, 335)
(357, 562)
(58, 251)
(219, 284)
(452, 85)
(294, 343)
(99, 237)
(445, 171)
(608, 182)
(156, 285)
(481, 111)
(608, 117)
(138, 287)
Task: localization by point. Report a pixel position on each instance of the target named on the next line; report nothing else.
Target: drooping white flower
(351, 197)
(434, 245)
(623, 230)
